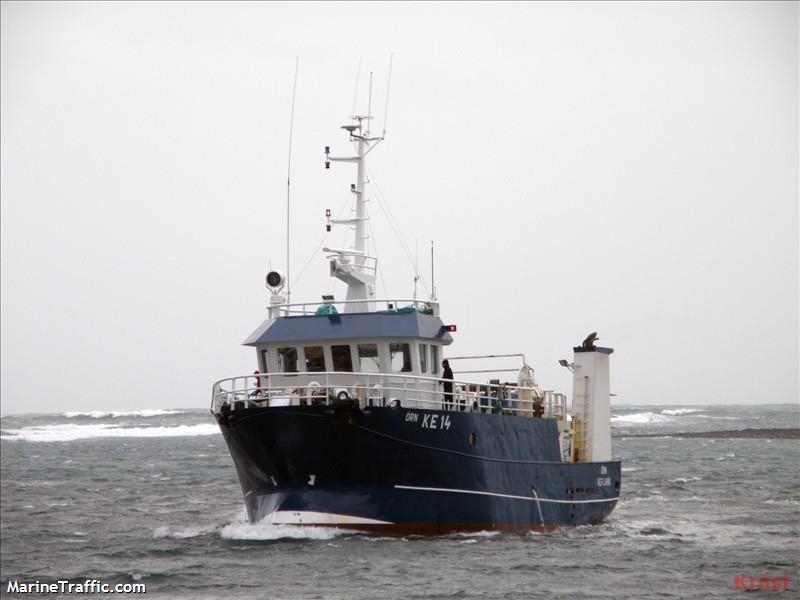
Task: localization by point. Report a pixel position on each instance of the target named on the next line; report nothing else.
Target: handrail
(485, 356)
(309, 308)
(382, 389)
(514, 355)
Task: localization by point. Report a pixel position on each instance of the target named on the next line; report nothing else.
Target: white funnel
(590, 404)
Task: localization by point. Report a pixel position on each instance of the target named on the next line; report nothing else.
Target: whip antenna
(433, 285)
(386, 107)
(355, 93)
(416, 268)
(289, 179)
(369, 103)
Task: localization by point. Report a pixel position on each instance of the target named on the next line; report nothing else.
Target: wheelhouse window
(315, 359)
(342, 359)
(434, 359)
(423, 358)
(287, 360)
(368, 358)
(264, 361)
(400, 355)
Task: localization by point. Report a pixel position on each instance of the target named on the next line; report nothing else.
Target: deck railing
(381, 304)
(383, 389)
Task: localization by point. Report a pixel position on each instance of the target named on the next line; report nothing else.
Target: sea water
(152, 497)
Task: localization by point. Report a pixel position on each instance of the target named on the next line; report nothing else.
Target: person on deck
(256, 393)
(447, 384)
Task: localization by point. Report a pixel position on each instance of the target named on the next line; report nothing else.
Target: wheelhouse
(388, 342)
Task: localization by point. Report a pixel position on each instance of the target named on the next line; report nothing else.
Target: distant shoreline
(753, 434)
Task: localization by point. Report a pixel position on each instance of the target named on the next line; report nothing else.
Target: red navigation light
(445, 329)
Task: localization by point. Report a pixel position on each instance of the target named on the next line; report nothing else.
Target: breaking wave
(265, 531)
(183, 534)
(101, 414)
(70, 432)
(712, 417)
(677, 412)
(641, 418)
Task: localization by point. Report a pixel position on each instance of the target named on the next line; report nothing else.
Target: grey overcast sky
(627, 168)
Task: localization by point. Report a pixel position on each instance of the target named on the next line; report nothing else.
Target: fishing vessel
(359, 415)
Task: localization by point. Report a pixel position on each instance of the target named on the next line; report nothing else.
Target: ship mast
(353, 265)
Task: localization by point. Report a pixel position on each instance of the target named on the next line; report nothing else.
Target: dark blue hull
(412, 471)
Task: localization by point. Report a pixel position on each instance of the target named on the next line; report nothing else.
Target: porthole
(472, 439)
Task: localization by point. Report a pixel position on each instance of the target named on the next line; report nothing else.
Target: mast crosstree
(355, 266)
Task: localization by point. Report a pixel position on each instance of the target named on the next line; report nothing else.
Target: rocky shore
(757, 434)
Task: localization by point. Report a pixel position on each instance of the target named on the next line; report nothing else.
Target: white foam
(637, 499)
(183, 534)
(685, 480)
(712, 417)
(650, 528)
(69, 432)
(100, 414)
(787, 502)
(478, 534)
(265, 530)
(641, 418)
(676, 412)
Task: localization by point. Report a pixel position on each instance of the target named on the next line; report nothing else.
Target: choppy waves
(681, 419)
(99, 424)
(667, 415)
(168, 512)
(676, 412)
(114, 414)
(69, 432)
